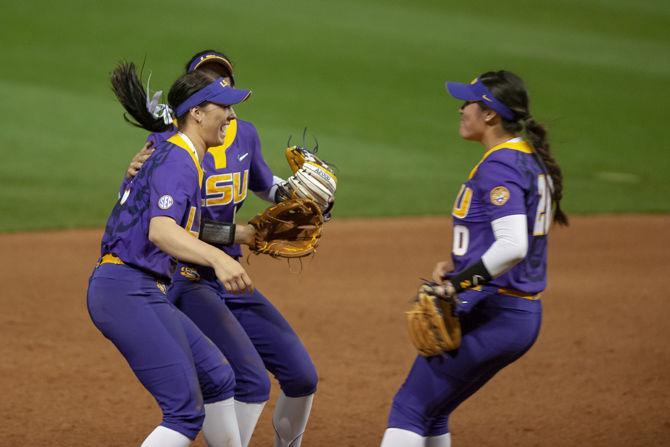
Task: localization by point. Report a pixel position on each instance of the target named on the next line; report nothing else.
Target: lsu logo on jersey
(191, 222)
(227, 188)
(499, 195)
(462, 203)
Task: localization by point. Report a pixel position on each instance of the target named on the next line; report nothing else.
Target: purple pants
(170, 356)
(496, 333)
(253, 336)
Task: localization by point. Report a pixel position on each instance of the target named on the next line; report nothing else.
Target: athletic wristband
(217, 233)
(472, 276)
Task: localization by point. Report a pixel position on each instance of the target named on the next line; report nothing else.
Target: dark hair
(510, 89)
(128, 89)
(228, 71)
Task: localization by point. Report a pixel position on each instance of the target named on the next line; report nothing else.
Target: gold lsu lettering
(462, 202)
(223, 189)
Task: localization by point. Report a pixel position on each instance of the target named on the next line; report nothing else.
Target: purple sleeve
(155, 139)
(500, 187)
(173, 184)
(260, 175)
(124, 185)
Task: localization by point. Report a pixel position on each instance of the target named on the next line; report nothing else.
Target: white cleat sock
(165, 437)
(397, 437)
(247, 417)
(439, 441)
(220, 427)
(290, 419)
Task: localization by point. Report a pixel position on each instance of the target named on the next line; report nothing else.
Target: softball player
(248, 329)
(152, 223)
(502, 215)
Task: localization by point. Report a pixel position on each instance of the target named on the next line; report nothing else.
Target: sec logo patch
(499, 195)
(165, 202)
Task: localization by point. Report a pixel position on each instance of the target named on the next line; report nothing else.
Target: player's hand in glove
(442, 269)
(289, 229)
(312, 179)
(433, 326)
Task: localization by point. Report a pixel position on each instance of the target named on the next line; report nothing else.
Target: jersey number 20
(543, 214)
(542, 218)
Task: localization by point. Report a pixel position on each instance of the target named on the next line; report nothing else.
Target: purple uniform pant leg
(279, 346)
(201, 301)
(493, 338)
(164, 349)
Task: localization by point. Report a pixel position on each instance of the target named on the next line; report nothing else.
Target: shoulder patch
(499, 195)
(165, 202)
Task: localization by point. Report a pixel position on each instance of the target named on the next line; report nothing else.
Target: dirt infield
(599, 374)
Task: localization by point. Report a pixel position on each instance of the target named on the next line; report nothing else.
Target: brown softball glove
(433, 327)
(289, 229)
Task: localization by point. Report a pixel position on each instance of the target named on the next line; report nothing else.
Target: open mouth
(223, 129)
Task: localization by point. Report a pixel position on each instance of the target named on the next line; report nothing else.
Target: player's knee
(301, 382)
(252, 387)
(179, 396)
(407, 417)
(188, 421)
(220, 384)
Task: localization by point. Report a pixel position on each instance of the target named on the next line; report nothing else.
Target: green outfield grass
(365, 76)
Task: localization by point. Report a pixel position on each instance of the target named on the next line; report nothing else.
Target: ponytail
(510, 89)
(128, 89)
(536, 135)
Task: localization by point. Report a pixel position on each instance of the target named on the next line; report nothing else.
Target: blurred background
(365, 77)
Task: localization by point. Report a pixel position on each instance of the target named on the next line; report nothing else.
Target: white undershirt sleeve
(510, 246)
(269, 194)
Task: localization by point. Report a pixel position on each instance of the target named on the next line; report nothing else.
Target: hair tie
(156, 108)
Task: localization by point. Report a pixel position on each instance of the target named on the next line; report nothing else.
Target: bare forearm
(176, 241)
(244, 234)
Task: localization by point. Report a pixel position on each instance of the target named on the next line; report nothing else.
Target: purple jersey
(508, 180)
(230, 171)
(167, 185)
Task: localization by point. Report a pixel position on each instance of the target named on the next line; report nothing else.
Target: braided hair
(510, 89)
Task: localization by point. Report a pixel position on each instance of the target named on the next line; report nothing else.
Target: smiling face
(213, 122)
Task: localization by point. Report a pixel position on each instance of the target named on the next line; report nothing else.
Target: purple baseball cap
(477, 91)
(219, 92)
(212, 57)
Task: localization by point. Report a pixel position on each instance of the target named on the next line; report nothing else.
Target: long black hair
(127, 87)
(510, 89)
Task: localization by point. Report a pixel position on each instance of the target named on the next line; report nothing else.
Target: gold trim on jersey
(520, 146)
(178, 141)
(110, 258)
(518, 294)
(511, 292)
(219, 152)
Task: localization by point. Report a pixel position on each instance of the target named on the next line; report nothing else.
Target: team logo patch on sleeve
(499, 195)
(165, 202)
